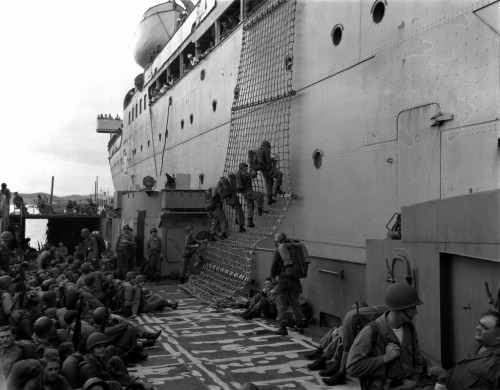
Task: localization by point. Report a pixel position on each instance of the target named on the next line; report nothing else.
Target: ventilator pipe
(404, 257)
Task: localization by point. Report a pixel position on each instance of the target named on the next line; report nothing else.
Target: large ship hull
(400, 111)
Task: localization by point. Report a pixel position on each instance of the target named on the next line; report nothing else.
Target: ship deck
(207, 348)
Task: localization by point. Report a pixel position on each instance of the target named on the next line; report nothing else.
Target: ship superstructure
(373, 108)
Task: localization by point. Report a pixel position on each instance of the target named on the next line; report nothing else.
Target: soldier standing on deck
(5, 251)
(244, 186)
(289, 289)
(125, 249)
(154, 250)
(191, 246)
(90, 248)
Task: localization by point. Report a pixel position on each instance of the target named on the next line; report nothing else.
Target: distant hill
(30, 198)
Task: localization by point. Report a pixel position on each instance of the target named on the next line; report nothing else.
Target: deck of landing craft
(206, 348)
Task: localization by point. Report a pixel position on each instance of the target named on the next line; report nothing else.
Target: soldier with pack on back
(154, 249)
(227, 190)
(386, 353)
(213, 205)
(261, 160)
(290, 264)
(244, 186)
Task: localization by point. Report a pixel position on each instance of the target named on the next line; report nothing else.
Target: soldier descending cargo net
(260, 111)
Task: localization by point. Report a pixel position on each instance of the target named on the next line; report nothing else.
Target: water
(36, 230)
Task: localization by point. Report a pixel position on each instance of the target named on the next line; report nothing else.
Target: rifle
(78, 327)
(105, 319)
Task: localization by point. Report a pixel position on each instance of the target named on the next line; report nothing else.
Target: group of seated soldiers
(65, 321)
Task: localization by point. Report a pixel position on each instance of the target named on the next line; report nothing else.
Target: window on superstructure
(140, 106)
(230, 19)
(149, 143)
(159, 136)
(136, 111)
(133, 114)
(145, 100)
(206, 43)
(378, 10)
(129, 117)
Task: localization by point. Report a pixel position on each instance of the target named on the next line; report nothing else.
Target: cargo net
(261, 111)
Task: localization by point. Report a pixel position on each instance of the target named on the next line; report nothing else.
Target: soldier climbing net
(261, 111)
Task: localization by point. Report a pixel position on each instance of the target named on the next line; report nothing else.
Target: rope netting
(261, 111)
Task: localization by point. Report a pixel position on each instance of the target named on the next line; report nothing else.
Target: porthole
(202, 75)
(166, 134)
(378, 11)
(214, 105)
(159, 136)
(191, 117)
(149, 142)
(317, 158)
(141, 148)
(337, 34)
(182, 123)
(288, 63)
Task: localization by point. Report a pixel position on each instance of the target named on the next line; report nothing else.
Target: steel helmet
(129, 275)
(5, 281)
(62, 335)
(242, 165)
(249, 386)
(153, 230)
(49, 297)
(86, 268)
(280, 237)
(43, 326)
(85, 232)
(47, 283)
(126, 227)
(6, 236)
(140, 278)
(95, 339)
(187, 229)
(401, 296)
(95, 381)
(99, 314)
(265, 144)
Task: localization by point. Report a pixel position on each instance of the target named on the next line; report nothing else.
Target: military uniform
(113, 370)
(366, 360)
(125, 249)
(218, 216)
(271, 173)
(154, 249)
(244, 185)
(189, 250)
(476, 371)
(4, 258)
(228, 193)
(289, 290)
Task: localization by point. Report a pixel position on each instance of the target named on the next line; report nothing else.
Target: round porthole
(214, 105)
(159, 136)
(337, 34)
(318, 158)
(202, 75)
(288, 63)
(191, 117)
(378, 11)
(182, 123)
(149, 143)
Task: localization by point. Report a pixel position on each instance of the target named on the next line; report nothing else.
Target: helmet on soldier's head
(140, 278)
(43, 326)
(6, 236)
(187, 229)
(249, 386)
(153, 230)
(99, 314)
(265, 144)
(86, 268)
(47, 283)
(5, 281)
(89, 384)
(129, 275)
(126, 227)
(62, 335)
(401, 296)
(85, 232)
(95, 339)
(242, 165)
(49, 298)
(279, 237)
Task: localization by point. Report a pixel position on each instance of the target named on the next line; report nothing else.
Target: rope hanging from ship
(261, 111)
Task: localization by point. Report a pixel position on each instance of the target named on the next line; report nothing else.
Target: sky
(63, 63)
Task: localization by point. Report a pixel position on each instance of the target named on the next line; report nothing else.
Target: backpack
(22, 372)
(100, 241)
(256, 159)
(295, 258)
(210, 202)
(232, 179)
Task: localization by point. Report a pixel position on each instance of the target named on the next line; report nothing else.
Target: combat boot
(250, 223)
(151, 336)
(299, 326)
(281, 331)
(247, 316)
(270, 200)
(329, 371)
(313, 355)
(182, 280)
(173, 306)
(242, 229)
(278, 191)
(337, 379)
(223, 236)
(318, 364)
